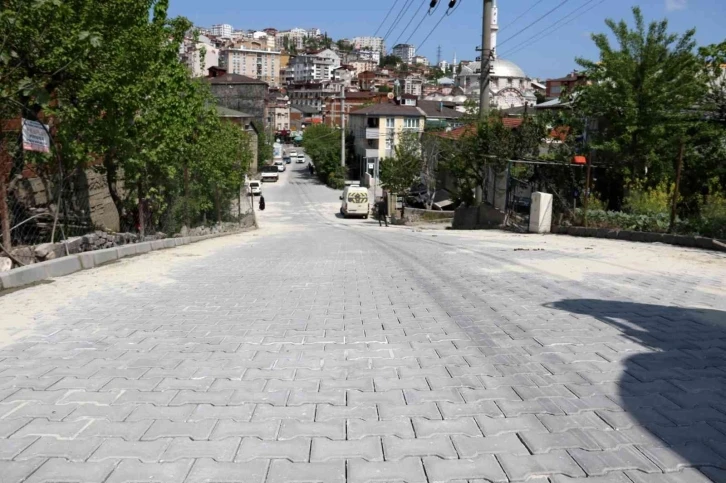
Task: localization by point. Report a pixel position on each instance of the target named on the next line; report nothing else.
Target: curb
(67, 265)
(643, 237)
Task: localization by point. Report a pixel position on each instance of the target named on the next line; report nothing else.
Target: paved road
(321, 349)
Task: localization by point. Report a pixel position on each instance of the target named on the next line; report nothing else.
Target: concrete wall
(477, 217)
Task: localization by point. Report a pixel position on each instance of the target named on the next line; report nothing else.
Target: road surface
(322, 349)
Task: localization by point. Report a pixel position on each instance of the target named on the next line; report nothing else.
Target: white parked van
(355, 201)
(269, 173)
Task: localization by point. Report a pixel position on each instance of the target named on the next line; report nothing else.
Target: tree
(399, 173)
(487, 146)
(391, 60)
(435, 74)
(321, 143)
(639, 92)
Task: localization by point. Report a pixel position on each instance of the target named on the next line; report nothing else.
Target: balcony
(371, 153)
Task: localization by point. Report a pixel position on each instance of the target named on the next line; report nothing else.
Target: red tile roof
(469, 129)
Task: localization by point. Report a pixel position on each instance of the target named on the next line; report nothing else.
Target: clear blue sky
(552, 56)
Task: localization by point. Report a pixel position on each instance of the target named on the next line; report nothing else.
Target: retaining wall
(642, 236)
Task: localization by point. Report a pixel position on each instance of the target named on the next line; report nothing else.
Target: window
(509, 81)
(389, 143)
(390, 122)
(410, 123)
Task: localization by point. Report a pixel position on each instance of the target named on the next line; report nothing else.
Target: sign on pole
(35, 136)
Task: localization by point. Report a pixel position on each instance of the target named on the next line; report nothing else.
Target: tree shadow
(673, 384)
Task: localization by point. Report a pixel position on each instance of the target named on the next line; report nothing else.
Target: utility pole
(486, 55)
(342, 131)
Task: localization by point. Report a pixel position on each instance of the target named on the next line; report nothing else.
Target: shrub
(647, 202)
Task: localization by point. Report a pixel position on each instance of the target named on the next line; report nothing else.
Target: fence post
(4, 210)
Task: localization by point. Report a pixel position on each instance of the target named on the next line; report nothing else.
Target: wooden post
(4, 210)
(677, 188)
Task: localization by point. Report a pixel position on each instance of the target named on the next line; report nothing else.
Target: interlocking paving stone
(521, 468)
(324, 449)
(60, 470)
(598, 463)
(133, 471)
(282, 471)
(397, 448)
(409, 470)
(209, 471)
(452, 357)
(296, 450)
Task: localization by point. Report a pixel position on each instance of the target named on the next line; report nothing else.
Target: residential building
(221, 30)
(293, 37)
(344, 73)
(420, 60)
(368, 55)
(302, 116)
(278, 112)
(254, 59)
(200, 56)
(266, 38)
(314, 32)
(238, 92)
(406, 52)
(555, 87)
(412, 84)
(314, 67)
(377, 44)
(310, 94)
(443, 65)
(353, 102)
(373, 79)
(378, 128)
(362, 66)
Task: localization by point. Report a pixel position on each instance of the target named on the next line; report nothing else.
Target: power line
(419, 24)
(521, 15)
(398, 18)
(410, 21)
(536, 21)
(386, 17)
(452, 8)
(550, 30)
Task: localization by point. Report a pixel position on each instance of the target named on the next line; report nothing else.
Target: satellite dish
(390, 95)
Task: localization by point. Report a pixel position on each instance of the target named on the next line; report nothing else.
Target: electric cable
(535, 22)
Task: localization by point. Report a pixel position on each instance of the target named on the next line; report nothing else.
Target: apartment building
(199, 56)
(311, 95)
(294, 37)
(253, 59)
(405, 52)
(377, 44)
(314, 67)
(221, 30)
(379, 128)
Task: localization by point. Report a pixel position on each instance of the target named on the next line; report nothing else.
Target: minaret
(495, 28)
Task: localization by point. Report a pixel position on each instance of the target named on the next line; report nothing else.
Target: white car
(300, 158)
(255, 188)
(280, 165)
(269, 173)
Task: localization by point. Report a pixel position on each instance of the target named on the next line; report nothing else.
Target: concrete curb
(643, 237)
(59, 267)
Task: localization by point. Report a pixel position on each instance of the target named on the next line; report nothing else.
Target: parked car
(287, 159)
(355, 202)
(255, 188)
(280, 165)
(270, 173)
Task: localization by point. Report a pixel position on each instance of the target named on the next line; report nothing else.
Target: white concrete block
(540, 213)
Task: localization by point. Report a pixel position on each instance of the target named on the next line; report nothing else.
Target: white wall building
(313, 67)
(370, 43)
(266, 38)
(199, 56)
(252, 60)
(295, 37)
(421, 60)
(405, 52)
(372, 55)
(443, 65)
(222, 30)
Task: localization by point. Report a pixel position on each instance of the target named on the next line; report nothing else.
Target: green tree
(399, 173)
(391, 60)
(322, 144)
(639, 93)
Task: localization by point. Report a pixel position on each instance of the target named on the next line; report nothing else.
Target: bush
(648, 202)
(625, 221)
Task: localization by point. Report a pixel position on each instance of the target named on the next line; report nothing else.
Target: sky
(540, 50)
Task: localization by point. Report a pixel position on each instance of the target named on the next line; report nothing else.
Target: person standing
(382, 211)
(262, 203)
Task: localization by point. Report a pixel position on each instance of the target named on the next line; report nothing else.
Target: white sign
(35, 136)
(370, 165)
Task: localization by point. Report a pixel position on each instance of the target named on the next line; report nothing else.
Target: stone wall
(478, 217)
(644, 237)
(247, 98)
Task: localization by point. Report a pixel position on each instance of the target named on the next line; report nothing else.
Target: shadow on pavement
(674, 380)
